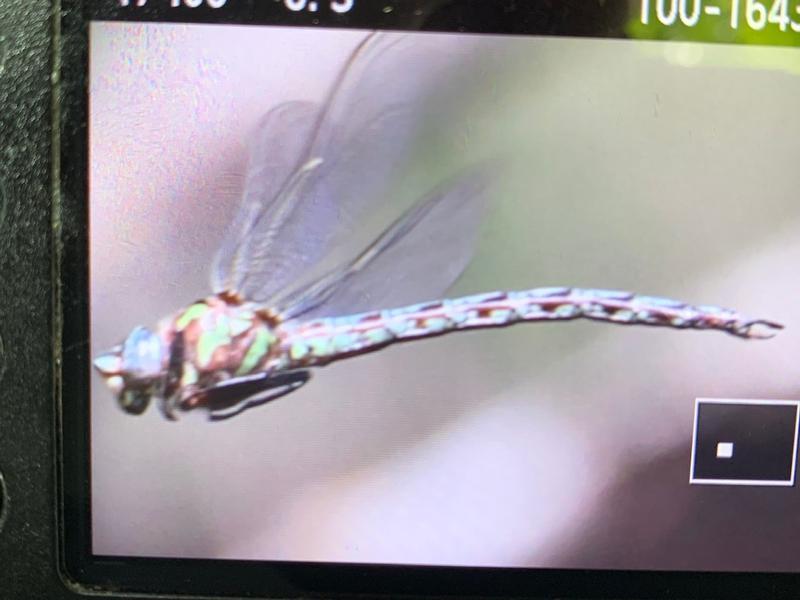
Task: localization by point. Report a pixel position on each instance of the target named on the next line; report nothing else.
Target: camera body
(28, 438)
(59, 373)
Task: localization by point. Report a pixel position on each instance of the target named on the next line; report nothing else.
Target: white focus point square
(724, 450)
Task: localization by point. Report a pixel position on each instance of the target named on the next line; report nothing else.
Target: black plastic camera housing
(45, 524)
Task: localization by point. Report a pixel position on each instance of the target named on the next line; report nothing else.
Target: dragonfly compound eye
(142, 356)
(134, 370)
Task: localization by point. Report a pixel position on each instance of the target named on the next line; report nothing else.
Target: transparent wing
(280, 141)
(417, 258)
(315, 172)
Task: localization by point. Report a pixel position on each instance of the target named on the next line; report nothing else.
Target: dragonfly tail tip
(759, 329)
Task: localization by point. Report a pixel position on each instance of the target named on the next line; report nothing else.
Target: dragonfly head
(134, 370)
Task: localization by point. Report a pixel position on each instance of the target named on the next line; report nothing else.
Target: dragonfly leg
(184, 396)
(233, 396)
(181, 399)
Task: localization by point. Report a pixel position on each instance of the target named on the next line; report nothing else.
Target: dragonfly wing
(277, 148)
(417, 258)
(344, 158)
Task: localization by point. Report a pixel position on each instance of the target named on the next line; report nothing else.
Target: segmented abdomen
(320, 341)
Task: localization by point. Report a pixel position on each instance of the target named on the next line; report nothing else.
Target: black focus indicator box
(744, 442)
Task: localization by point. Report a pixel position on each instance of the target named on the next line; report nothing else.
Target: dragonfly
(284, 301)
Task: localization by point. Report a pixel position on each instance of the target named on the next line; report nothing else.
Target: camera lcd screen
(442, 299)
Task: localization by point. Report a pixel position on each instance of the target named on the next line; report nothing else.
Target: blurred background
(663, 168)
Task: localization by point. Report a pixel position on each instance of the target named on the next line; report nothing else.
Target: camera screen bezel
(276, 579)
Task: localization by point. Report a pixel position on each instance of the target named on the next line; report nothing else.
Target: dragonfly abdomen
(321, 341)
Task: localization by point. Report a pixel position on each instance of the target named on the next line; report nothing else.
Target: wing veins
(282, 195)
(315, 294)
